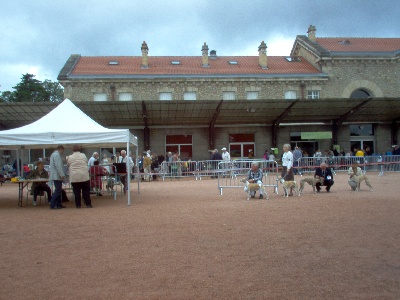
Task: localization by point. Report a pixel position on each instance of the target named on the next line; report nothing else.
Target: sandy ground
(182, 240)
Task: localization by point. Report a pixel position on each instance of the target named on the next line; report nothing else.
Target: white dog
(355, 182)
(287, 185)
(251, 188)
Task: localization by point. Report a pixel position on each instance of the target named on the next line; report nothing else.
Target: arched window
(360, 94)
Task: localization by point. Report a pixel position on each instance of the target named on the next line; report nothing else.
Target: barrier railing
(207, 168)
(390, 163)
(230, 174)
(177, 169)
(342, 163)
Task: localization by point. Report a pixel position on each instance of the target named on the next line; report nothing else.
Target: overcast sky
(37, 37)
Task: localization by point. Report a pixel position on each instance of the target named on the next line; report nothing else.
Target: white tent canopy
(66, 125)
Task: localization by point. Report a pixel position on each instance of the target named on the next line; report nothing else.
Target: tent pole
(128, 166)
(18, 168)
(136, 164)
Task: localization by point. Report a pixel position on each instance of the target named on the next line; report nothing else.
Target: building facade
(329, 71)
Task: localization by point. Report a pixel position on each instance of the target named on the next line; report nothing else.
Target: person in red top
(96, 172)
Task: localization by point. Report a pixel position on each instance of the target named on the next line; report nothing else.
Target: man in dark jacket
(324, 172)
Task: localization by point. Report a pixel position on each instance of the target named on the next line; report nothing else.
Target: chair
(114, 180)
(42, 194)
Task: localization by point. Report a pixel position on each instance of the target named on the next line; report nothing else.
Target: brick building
(329, 91)
(335, 69)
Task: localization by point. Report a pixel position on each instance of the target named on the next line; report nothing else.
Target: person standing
(94, 158)
(146, 166)
(57, 175)
(226, 158)
(287, 164)
(79, 176)
(251, 154)
(358, 152)
(266, 154)
(118, 157)
(125, 159)
(216, 158)
(297, 155)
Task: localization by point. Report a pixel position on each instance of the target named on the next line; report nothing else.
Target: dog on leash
(287, 185)
(254, 187)
(311, 181)
(358, 179)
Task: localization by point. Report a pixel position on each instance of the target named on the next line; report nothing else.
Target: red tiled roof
(189, 65)
(360, 44)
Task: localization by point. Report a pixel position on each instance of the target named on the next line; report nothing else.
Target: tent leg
(128, 166)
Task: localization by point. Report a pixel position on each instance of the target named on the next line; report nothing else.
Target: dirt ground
(182, 240)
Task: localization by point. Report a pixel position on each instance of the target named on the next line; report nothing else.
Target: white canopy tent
(67, 125)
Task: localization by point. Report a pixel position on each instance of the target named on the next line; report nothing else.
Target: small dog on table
(287, 185)
(254, 187)
(311, 181)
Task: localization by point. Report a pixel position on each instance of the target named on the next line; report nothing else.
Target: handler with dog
(287, 164)
(324, 174)
(255, 176)
(356, 176)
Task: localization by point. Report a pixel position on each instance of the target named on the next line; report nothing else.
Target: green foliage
(7, 96)
(55, 89)
(33, 90)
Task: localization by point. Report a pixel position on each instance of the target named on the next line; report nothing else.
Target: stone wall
(205, 90)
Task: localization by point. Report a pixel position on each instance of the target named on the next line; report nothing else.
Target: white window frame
(252, 95)
(165, 96)
(313, 94)
(190, 96)
(125, 96)
(228, 96)
(291, 94)
(99, 97)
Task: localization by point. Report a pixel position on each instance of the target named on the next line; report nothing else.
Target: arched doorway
(362, 135)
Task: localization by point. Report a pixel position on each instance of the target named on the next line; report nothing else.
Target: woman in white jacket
(287, 164)
(79, 176)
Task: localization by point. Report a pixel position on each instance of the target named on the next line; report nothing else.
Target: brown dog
(311, 181)
(287, 185)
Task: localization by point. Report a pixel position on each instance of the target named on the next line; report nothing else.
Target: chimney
(311, 33)
(145, 52)
(262, 55)
(204, 53)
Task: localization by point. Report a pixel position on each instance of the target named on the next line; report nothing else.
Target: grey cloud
(46, 33)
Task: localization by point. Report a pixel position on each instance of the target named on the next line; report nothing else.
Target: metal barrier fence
(342, 163)
(231, 173)
(178, 169)
(207, 168)
(390, 163)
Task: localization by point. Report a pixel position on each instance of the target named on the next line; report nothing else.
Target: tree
(33, 90)
(55, 89)
(7, 96)
(30, 90)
